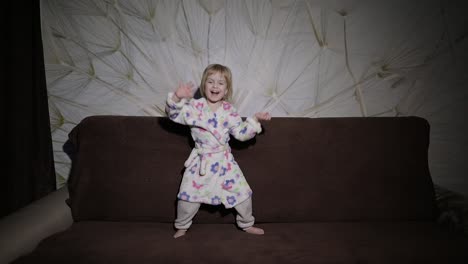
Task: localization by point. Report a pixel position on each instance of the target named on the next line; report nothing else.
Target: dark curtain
(28, 171)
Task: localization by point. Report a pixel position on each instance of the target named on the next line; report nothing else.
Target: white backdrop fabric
(295, 58)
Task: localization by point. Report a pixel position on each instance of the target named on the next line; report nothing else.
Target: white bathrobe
(212, 176)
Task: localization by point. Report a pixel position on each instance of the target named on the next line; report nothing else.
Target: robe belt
(201, 153)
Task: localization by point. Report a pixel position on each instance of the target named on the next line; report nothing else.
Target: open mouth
(215, 92)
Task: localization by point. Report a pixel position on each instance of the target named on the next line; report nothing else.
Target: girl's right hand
(185, 90)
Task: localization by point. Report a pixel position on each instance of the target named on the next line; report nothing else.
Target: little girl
(212, 176)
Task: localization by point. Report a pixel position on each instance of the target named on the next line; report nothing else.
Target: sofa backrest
(300, 169)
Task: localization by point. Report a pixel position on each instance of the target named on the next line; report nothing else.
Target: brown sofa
(326, 190)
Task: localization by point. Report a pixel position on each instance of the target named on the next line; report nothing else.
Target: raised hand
(262, 116)
(185, 90)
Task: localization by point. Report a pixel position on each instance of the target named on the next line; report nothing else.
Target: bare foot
(180, 233)
(254, 230)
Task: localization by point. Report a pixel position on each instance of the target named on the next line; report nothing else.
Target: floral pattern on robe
(212, 176)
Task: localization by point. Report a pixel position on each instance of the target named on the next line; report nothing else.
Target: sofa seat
(320, 242)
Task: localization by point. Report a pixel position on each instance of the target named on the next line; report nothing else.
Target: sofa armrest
(22, 231)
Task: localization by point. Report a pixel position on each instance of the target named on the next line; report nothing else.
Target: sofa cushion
(300, 169)
(338, 242)
(126, 168)
(335, 169)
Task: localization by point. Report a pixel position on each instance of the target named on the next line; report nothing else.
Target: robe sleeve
(243, 130)
(177, 112)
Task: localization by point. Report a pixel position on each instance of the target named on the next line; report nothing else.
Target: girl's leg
(245, 219)
(185, 213)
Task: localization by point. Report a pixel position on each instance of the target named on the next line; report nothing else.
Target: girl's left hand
(262, 116)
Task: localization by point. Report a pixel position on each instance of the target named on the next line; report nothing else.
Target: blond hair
(225, 71)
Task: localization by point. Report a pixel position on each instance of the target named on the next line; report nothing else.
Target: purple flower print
(227, 185)
(225, 124)
(174, 116)
(184, 196)
(213, 121)
(215, 200)
(223, 171)
(243, 130)
(193, 169)
(226, 106)
(215, 167)
(231, 200)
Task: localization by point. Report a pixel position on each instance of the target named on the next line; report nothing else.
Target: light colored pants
(186, 211)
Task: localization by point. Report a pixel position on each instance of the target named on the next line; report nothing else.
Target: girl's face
(215, 87)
